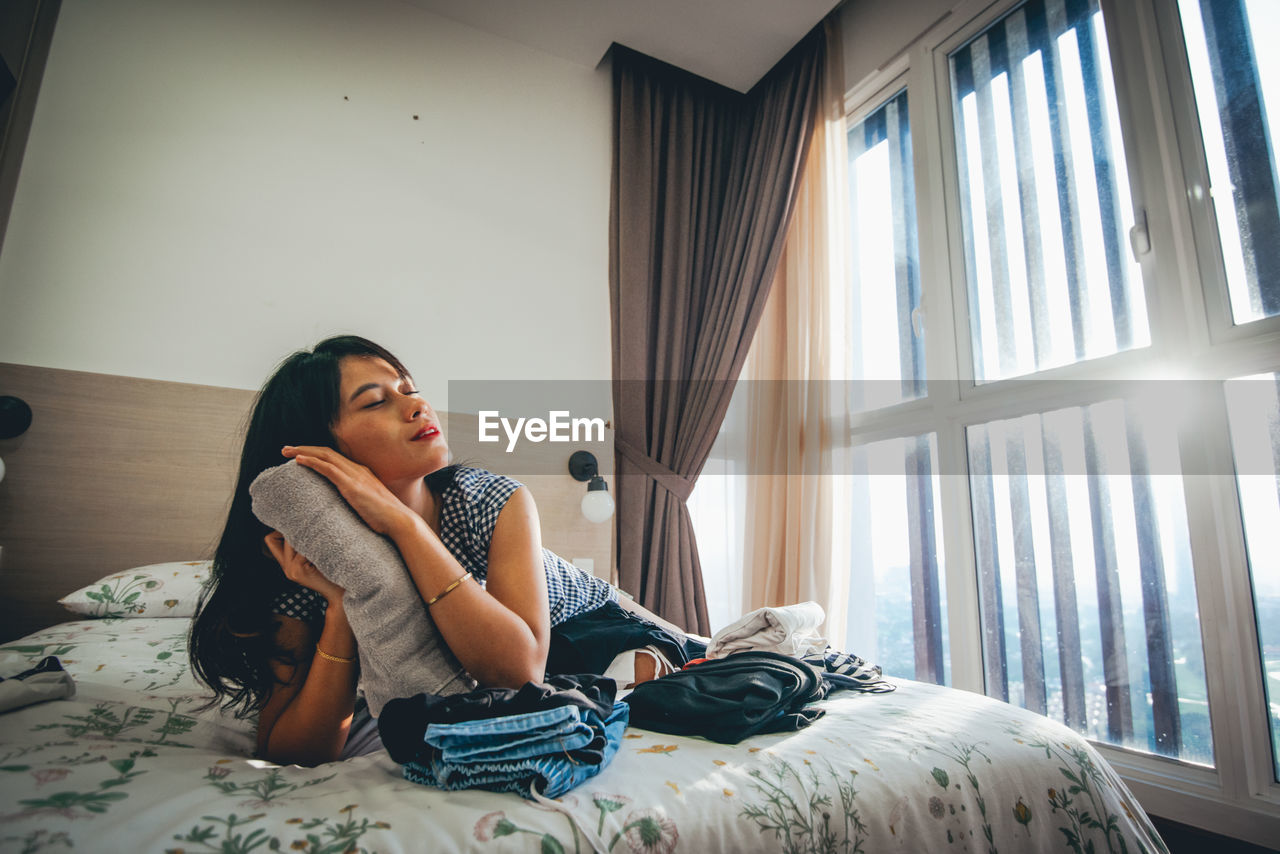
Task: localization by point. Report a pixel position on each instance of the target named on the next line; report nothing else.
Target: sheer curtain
(774, 537)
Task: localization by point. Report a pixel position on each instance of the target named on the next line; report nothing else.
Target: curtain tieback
(678, 485)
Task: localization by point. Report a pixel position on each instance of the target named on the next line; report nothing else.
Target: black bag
(729, 699)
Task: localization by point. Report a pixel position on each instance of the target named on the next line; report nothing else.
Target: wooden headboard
(117, 472)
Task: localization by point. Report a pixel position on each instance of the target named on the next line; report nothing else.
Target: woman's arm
(308, 712)
(500, 633)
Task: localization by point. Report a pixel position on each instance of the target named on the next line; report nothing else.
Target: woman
(271, 634)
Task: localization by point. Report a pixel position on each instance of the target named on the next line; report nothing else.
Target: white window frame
(1192, 336)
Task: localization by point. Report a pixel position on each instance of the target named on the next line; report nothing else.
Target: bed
(132, 762)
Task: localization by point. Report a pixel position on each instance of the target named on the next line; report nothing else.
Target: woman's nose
(415, 406)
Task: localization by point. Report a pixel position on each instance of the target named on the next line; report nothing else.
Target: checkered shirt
(468, 513)
(301, 603)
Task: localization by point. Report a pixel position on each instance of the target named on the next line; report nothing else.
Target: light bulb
(597, 504)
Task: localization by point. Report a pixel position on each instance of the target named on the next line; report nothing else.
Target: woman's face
(384, 424)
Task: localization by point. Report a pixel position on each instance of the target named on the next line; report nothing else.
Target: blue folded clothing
(547, 752)
(403, 723)
(512, 737)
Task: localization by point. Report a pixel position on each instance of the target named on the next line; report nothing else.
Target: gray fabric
(401, 652)
(36, 688)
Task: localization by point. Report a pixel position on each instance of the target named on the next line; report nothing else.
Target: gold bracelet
(445, 592)
(320, 652)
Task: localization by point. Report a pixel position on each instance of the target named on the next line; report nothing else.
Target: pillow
(156, 590)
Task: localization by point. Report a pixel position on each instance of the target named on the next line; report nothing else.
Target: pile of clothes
(759, 674)
(763, 673)
(544, 738)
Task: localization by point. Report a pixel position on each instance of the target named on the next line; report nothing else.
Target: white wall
(210, 185)
(876, 32)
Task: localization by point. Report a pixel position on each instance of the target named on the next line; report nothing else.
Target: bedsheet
(131, 763)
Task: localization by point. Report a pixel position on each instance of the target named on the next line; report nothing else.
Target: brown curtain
(704, 182)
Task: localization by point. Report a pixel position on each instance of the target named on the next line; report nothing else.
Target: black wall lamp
(15, 418)
(597, 504)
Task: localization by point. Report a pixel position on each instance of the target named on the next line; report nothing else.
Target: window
(717, 507)
(1254, 408)
(1230, 46)
(1077, 543)
(1060, 263)
(1096, 211)
(896, 565)
(895, 552)
(885, 277)
(1088, 603)
(1045, 193)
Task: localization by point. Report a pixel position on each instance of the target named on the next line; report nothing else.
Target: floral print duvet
(131, 763)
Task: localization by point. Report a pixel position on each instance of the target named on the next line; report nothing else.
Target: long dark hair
(233, 633)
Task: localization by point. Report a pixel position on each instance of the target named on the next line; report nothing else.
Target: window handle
(917, 321)
(1139, 237)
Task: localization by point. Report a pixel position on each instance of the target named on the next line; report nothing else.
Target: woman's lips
(426, 433)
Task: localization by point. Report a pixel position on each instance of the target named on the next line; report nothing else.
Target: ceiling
(733, 42)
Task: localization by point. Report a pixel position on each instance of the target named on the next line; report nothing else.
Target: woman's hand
(367, 495)
(299, 570)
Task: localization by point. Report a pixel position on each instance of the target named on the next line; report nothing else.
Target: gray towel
(401, 651)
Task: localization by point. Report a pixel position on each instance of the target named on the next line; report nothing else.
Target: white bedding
(128, 765)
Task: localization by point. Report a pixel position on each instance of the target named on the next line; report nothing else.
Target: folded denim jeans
(403, 724)
(511, 737)
(549, 775)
